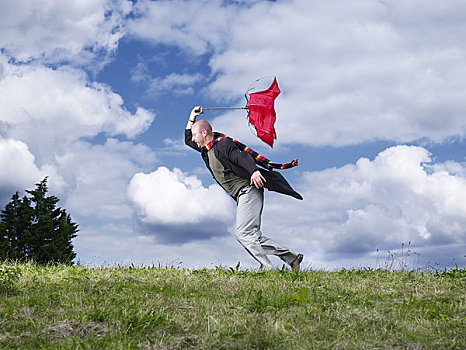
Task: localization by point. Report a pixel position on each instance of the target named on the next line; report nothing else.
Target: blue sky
(96, 94)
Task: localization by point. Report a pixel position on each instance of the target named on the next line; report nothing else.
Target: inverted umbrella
(261, 111)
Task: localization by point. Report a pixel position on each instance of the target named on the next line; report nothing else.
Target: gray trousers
(248, 223)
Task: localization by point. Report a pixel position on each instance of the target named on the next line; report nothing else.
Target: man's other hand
(257, 179)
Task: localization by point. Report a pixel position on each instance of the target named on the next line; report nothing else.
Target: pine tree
(36, 229)
(14, 228)
(8, 228)
(4, 246)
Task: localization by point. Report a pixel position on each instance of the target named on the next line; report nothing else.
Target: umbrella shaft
(224, 108)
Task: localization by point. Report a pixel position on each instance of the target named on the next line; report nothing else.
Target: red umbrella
(261, 112)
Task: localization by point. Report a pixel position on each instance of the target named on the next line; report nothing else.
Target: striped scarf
(260, 160)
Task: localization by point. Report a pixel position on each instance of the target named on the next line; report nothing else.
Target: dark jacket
(242, 164)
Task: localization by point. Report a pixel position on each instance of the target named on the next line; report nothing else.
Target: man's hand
(192, 117)
(195, 112)
(257, 179)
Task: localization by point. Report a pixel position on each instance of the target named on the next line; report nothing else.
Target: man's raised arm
(187, 133)
(192, 117)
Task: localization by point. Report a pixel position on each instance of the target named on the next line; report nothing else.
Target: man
(237, 173)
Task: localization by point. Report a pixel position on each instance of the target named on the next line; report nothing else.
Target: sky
(95, 94)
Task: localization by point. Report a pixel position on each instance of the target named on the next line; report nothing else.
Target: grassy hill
(73, 307)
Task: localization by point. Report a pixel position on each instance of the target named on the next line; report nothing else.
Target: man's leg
(272, 247)
(248, 223)
(248, 233)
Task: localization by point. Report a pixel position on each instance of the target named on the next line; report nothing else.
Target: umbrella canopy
(262, 112)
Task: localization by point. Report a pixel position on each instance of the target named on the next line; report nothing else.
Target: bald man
(237, 173)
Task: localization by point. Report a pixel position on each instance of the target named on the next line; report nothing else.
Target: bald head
(201, 125)
(202, 132)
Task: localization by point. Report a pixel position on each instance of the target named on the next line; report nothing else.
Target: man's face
(199, 136)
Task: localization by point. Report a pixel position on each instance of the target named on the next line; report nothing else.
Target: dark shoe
(296, 262)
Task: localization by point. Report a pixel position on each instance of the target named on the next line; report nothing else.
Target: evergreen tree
(8, 228)
(4, 246)
(14, 228)
(36, 229)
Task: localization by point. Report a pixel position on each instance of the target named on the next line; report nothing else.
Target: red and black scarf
(260, 160)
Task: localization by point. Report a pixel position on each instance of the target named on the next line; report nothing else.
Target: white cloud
(349, 73)
(17, 163)
(98, 176)
(19, 171)
(172, 197)
(49, 109)
(179, 84)
(90, 180)
(57, 31)
(173, 83)
(195, 26)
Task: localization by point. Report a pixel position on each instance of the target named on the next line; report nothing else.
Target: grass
(73, 307)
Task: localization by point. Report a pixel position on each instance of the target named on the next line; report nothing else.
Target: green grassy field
(73, 307)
